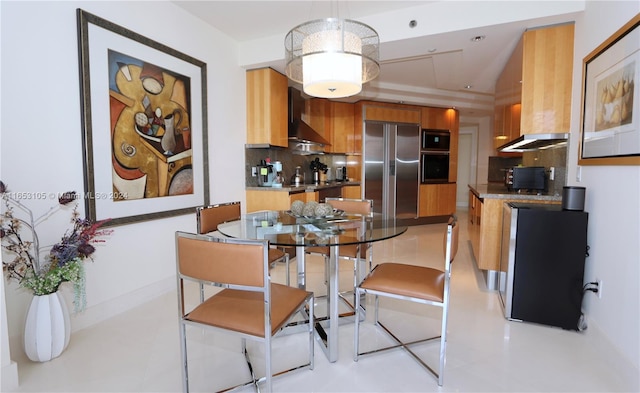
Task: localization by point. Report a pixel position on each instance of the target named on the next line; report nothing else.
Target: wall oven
(435, 140)
(434, 166)
(434, 156)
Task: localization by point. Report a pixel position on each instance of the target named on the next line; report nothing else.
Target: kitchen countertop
(305, 187)
(500, 191)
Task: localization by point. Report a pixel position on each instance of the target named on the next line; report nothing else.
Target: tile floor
(138, 351)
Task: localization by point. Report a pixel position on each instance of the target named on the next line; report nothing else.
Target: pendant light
(332, 57)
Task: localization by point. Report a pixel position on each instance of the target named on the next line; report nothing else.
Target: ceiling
(435, 63)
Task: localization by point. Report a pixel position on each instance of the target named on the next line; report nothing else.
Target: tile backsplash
(498, 165)
(554, 157)
(289, 161)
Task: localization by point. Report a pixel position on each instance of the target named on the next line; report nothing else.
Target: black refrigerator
(542, 261)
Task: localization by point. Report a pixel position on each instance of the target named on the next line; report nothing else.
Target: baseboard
(627, 372)
(113, 307)
(9, 377)
(422, 220)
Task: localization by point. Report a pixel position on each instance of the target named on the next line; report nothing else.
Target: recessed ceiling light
(413, 23)
(468, 86)
(478, 38)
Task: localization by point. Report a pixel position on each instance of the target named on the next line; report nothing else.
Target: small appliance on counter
(341, 174)
(573, 198)
(266, 173)
(298, 178)
(278, 180)
(527, 178)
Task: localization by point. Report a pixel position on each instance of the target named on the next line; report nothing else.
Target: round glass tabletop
(282, 228)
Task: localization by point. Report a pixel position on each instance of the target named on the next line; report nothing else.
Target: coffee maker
(266, 174)
(278, 179)
(341, 174)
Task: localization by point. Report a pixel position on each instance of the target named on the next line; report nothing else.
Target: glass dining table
(284, 229)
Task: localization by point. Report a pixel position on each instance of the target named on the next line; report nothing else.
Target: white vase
(47, 329)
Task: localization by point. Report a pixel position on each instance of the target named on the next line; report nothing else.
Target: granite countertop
(500, 191)
(305, 187)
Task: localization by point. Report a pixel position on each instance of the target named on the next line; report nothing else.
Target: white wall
(485, 145)
(613, 203)
(467, 163)
(42, 147)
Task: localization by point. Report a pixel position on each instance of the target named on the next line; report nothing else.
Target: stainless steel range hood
(532, 142)
(302, 138)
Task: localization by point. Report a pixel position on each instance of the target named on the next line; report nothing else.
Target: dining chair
(209, 217)
(354, 252)
(417, 284)
(247, 303)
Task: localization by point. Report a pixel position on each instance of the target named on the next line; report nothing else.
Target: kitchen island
(485, 222)
(280, 198)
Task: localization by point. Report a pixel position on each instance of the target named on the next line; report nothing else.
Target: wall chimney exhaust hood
(532, 142)
(302, 138)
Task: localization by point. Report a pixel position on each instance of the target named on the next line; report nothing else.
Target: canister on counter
(573, 198)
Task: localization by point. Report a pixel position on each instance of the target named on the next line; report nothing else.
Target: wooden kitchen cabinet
(508, 93)
(533, 92)
(485, 228)
(267, 112)
(437, 200)
(316, 114)
(445, 119)
(341, 128)
(454, 129)
(547, 71)
(334, 122)
(390, 112)
(351, 192)
(275, 200)
(475, 213)
(435, 118)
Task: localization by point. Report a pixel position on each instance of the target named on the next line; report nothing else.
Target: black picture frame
(145, 155)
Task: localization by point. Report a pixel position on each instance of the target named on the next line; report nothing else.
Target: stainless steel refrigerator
(391, 168)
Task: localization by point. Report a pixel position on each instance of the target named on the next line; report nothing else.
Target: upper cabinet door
(267, 113)
(533, 91)
(341, 128)
(435, 118)
(547, 69)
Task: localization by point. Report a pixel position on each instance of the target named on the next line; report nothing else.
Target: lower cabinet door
(437, 199)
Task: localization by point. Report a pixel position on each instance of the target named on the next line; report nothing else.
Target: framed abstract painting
(144, 118)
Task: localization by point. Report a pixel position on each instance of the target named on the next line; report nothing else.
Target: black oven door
(435, 140)
(434, 167)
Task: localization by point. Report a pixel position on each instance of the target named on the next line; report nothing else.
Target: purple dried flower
(67, 198)
(86, 249)
(3, 233)
(3, 187)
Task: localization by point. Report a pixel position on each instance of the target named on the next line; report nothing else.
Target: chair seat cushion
(275, 254)
(407, 280)
(243, 311)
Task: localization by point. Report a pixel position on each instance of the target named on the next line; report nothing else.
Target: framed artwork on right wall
(610, 121)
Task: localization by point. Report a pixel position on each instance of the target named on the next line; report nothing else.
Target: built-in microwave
(434, 167)
(435, 139)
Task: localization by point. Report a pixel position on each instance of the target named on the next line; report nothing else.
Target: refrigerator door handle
(392, 168)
